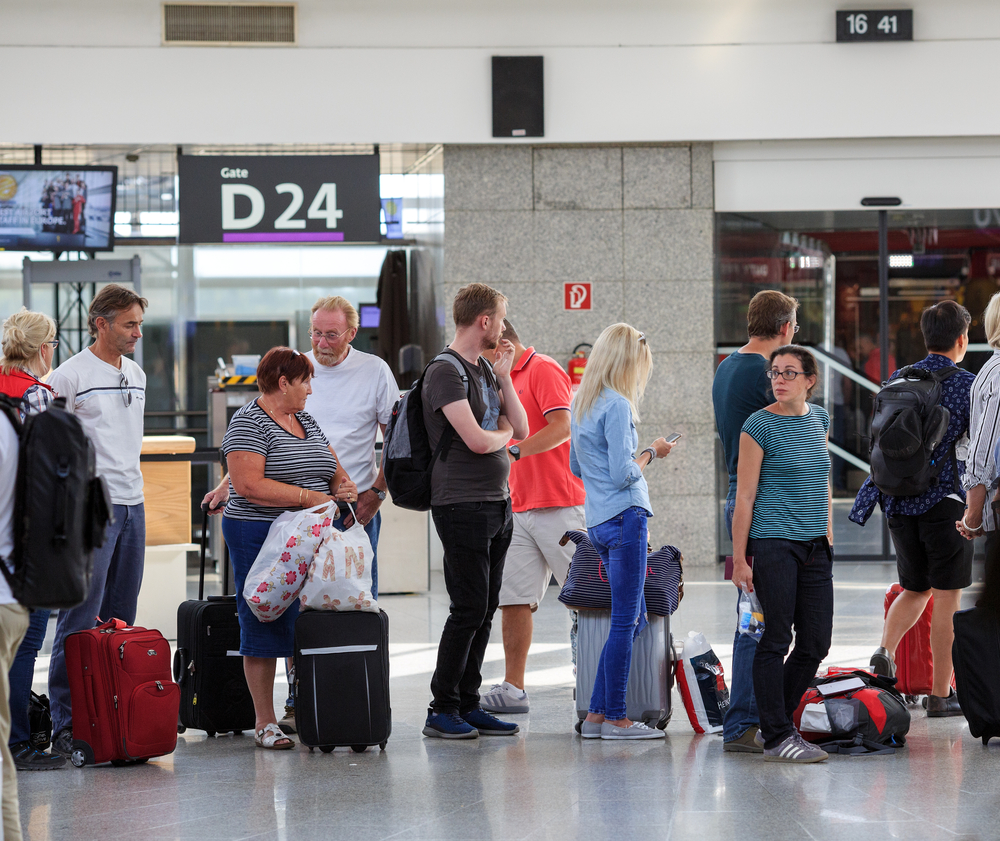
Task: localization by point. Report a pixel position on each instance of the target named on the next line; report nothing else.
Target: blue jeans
(22, 673)
(621, 542)
(114, 591)
(742, 712)
(794, 581)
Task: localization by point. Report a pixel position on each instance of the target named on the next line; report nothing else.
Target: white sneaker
(636, 730)
(504, 698)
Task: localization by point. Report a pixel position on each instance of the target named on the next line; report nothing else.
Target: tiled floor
(544, 783)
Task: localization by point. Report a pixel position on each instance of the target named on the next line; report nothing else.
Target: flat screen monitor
(369, 315)
(57, 208)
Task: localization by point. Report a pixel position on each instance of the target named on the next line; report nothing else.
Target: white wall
(419, 71)
(797, 175)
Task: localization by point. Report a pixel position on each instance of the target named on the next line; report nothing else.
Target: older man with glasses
(107, 392)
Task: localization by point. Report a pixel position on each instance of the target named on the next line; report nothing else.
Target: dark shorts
(930, 553)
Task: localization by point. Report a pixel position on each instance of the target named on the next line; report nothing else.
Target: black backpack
(407, 460)
(61, 508)
(908, 424)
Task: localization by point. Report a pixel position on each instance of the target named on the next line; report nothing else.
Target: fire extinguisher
(577, 363)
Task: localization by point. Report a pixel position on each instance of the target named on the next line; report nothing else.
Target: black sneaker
(62, 742)
(28, 758)
(938, 707)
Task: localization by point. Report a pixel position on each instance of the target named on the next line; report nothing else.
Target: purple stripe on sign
(272, 237)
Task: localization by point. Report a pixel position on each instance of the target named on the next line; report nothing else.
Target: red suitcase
(914, 661)
(125, 702)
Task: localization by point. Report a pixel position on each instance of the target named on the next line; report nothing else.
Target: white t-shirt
(95, 393)
(349, 401)
(8, 474)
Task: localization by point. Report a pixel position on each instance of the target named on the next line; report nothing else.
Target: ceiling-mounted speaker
(518, 100)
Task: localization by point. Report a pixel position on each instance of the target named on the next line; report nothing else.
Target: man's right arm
(479, 440)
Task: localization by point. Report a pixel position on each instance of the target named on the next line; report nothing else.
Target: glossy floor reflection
(544, 783)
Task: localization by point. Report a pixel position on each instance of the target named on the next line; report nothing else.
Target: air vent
(229, 24)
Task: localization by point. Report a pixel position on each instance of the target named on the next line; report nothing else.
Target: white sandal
(269, 736)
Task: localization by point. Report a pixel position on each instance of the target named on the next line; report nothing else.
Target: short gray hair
(109, 302)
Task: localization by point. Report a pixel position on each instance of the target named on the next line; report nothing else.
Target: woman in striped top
(279, 460)
(782, 522)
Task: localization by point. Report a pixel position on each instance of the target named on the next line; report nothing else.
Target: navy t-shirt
(741, 387)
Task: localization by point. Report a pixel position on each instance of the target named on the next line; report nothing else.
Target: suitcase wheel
(326, 748)
(210, 733)
(381, 745)
(359, 748)
(119, 763)
(82, 754)
(237, 732)
(181, 728)
(311, 750)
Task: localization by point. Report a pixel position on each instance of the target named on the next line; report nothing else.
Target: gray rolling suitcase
(651, 676)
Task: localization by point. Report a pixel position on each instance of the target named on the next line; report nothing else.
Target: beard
(326, 356)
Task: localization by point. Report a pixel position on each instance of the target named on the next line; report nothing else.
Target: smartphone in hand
(673, 439)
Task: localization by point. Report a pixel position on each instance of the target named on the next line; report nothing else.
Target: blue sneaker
(489, 725)
(448, 726)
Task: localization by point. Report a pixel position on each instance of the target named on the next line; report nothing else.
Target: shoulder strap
(12, 408)
(450, 356)
(941, 374)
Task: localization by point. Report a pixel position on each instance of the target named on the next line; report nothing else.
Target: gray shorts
(535, 554)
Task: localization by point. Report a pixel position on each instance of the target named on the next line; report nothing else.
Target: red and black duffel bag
(866, 716)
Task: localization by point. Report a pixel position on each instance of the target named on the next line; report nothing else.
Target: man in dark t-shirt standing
(741, 388)
(470, 503)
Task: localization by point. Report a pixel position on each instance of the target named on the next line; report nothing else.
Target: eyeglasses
(642, 338)
(774, 373)
(330, 337)
(53, 342)
(124, 389)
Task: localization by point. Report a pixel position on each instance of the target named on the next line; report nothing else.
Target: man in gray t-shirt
(470, 503)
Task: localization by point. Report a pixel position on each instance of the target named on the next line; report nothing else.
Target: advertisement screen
(56, 208)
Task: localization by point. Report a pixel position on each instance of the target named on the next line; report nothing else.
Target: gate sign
(577, 296)
(282, 198)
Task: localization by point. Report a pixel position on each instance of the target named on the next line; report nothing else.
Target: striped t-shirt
(792, 494)
(303, 462)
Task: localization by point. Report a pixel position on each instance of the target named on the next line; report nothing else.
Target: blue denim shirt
(602, 446)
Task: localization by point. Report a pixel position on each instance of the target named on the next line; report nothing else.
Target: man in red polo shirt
(547, 500)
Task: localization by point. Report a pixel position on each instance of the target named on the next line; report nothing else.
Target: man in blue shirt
(741, 388)
(931, 556)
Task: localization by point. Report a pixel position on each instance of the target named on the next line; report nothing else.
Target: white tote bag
(340, 577)
(282, 564)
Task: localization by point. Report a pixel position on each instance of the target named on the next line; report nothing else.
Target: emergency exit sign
(875, 25)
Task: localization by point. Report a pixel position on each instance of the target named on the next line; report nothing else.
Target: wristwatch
(379, 494)
(515, 451)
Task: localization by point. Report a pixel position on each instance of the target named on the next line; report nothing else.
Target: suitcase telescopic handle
(204, 549)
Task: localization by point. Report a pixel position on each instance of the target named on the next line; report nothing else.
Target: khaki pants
(13, 626)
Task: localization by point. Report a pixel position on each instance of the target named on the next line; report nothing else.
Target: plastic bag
(326, 587)
(282, 564)
(702, 683)
(751, 615)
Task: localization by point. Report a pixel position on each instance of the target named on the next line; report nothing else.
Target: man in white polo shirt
(352, 398)
(107, 392)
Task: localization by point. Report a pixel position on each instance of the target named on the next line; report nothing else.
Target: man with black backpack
(920, 421)
(475, 404)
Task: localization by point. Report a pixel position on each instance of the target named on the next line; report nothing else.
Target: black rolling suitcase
(342, 679)
(207, 663)
(976, 654)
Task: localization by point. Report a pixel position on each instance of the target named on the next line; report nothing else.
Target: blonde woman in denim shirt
(602, 446)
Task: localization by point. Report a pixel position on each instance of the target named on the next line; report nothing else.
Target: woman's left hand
(347, 492)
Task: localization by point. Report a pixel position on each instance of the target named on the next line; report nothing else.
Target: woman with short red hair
(279, 460)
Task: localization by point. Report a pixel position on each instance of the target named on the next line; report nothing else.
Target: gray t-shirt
(463, 476)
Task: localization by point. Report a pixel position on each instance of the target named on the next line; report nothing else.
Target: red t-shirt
(543, 480)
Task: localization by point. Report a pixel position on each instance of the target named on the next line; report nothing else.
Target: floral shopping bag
(340, 577)
(282, 564)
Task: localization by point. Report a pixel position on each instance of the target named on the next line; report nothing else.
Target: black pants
(794, 582)
(475, 537)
